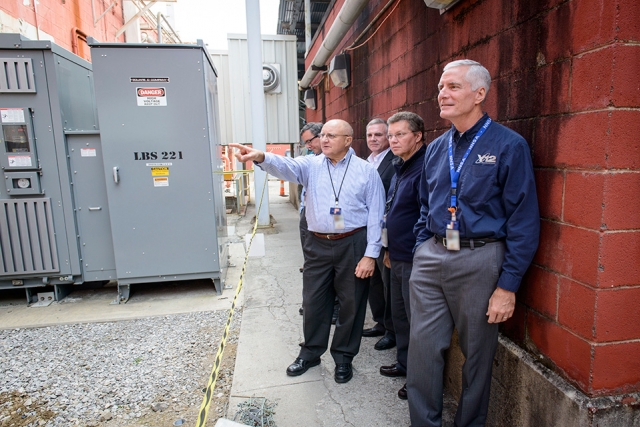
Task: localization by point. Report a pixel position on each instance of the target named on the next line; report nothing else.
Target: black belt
(336, 236)
(468, 243)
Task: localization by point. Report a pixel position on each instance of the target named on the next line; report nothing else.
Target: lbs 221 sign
(151, 96)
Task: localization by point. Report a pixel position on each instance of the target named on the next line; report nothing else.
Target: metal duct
(346, 17)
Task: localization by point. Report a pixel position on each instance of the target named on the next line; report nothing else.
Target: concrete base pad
(524, 393)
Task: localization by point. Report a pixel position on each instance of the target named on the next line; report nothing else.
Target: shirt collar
(376, 160)
(350, 152)
(469, 134)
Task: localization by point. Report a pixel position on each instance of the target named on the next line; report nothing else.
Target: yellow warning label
(160, 171)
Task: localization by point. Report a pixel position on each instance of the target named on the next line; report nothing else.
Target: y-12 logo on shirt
(486, 159)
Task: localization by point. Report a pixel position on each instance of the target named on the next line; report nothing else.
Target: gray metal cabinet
(160, 141)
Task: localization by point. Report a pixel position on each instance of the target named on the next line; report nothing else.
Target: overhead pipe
(346, 17)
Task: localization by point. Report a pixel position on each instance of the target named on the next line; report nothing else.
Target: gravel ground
(145, 372)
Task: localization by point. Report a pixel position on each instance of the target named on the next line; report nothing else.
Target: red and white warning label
(151, 96)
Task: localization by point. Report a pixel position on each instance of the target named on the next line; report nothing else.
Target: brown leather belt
(336, 236)
(468, 243)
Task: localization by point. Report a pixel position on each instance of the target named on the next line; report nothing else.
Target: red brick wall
(565, 77)
(69, 21)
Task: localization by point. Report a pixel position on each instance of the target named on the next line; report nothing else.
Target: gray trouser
(451, 288)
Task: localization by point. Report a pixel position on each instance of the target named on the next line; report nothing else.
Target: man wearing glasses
(379, 297)
(476, 236)
(310, 137)
(344, 205)
(402, 210)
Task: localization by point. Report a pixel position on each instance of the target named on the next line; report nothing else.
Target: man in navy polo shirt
(476, 236)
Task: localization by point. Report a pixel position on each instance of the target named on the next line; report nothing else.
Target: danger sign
(151, 96)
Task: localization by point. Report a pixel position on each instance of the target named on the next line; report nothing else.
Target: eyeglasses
(330, 136)
(398, 135)
(308, 141)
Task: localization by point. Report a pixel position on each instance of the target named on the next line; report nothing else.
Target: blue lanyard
(455, 173)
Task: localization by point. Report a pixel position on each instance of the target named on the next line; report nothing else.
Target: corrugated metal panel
(27, 237)
(221, 61)
(281, 109)
(16, 75)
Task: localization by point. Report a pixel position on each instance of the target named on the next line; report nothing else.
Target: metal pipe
(35, 12)
(167, 24)
(256, 91)
(133, 18)
(159, 27)
(346, 17)
(95, 21)
(307, 26)
(373, 21)
(75, 34)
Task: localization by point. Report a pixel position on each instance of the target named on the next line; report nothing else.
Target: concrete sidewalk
(271, 330)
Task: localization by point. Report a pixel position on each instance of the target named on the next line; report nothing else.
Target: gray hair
(376, 121)
(314, 127)
(477, 75)
(416, 124)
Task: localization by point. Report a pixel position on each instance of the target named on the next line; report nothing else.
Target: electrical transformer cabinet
(54, 216)
(158, 113)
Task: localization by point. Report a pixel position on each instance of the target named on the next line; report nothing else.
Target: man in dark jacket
(379, 297)
(406, 137)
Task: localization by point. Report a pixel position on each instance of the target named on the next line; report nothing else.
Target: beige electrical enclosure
(280, 85)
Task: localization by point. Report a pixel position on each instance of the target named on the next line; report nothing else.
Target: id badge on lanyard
(383, 235)
(338, 219)
(452, 228)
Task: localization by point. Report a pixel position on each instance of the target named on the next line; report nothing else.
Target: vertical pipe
(159, 19)
(35, 12)
(307, 26)
(254, 45)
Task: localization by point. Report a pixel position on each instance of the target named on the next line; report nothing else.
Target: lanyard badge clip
(452, 238)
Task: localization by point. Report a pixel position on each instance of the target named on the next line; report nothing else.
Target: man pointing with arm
(344, 206)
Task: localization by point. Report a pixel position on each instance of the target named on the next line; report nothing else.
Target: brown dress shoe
(392, 371)
(402, 393)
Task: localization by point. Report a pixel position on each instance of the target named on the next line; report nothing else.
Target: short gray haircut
(314, 127)
(416, 124)
(477, 75)
(377, 121)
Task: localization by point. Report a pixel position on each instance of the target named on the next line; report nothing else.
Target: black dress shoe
(392, 371)
(373, 332)
(402, 393)
(343, 372)
(300, 366)
(336, 313)
(301, 311)
(385, 343)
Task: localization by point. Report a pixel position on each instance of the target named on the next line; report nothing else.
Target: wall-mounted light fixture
(310, 98)
(443, 5)
(340, 70)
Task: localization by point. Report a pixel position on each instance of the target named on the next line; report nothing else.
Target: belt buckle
(328, 236)
(444, 242)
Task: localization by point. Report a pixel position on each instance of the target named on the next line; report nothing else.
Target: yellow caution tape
(206, 401)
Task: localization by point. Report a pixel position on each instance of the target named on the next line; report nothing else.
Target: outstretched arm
(245, 154)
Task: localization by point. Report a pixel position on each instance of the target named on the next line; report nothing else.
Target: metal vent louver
(27, 238)
(16, 75)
